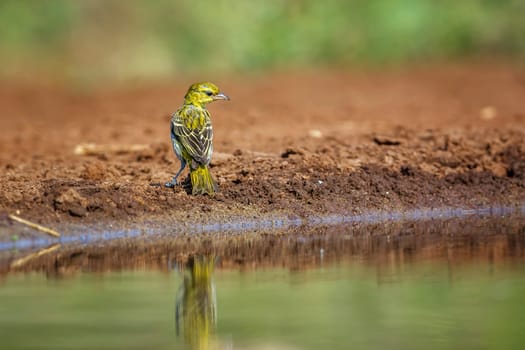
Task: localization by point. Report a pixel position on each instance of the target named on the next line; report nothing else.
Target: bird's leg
(174, 182)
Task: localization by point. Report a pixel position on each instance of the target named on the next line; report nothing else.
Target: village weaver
(192, 137)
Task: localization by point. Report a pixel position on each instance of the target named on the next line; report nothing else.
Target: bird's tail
(202, 182)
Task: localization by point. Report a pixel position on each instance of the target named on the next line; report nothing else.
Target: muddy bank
(290, 143)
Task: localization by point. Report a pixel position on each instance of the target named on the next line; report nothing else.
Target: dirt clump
(71, 202)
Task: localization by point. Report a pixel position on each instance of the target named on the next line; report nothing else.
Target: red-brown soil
(295, 142)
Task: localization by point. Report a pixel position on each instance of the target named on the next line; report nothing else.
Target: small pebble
(488, 113)
(316, 134)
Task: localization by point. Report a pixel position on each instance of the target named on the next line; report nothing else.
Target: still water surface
(322, 290)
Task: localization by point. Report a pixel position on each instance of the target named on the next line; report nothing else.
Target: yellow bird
(196, 304)
(192, 137)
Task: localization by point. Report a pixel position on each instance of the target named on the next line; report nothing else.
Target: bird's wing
(192, 127)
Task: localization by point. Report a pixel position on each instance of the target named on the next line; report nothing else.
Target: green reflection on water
(409, 292)
(478, 306)
(347, 308)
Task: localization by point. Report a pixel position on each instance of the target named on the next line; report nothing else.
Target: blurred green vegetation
(139, 38)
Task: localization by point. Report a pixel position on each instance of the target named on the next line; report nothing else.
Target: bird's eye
(209, 93)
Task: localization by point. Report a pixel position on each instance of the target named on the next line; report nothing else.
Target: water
(81, 234)
(448, 285)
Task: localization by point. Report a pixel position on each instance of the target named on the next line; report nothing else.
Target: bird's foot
(171, 184)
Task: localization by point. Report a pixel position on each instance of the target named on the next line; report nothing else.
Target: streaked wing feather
(196, 141)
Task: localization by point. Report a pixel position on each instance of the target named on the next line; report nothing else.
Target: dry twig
(92, 149)
(33, 225)
(25, 259)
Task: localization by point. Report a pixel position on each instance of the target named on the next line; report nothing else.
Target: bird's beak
(221, 96)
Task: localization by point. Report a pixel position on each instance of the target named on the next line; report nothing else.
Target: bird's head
(200, 94)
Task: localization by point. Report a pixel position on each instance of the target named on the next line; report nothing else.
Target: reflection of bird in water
(196, 307)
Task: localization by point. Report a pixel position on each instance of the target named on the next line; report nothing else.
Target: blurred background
(111, 40)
